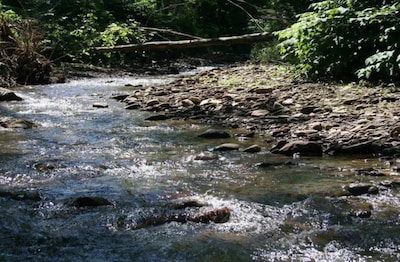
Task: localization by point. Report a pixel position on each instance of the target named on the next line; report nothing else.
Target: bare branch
(182, 44)
(169, 31)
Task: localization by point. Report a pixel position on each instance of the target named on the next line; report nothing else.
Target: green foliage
(121, 33)
(346, 39)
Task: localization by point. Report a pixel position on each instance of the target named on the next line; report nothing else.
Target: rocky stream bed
(316, 118)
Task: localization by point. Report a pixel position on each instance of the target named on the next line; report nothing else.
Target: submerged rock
(22, 195)
(369, 172)
(91, 202)
(218, 215)
(357, 189)
(205, 156)
(188, 204)
(41, 167)
(16, 123)
(157, 118)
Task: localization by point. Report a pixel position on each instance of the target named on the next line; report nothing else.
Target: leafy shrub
(346, 39)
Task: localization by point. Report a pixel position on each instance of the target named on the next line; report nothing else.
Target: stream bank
(341, 118)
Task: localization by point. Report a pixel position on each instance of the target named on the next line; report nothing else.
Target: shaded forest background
(332, 39)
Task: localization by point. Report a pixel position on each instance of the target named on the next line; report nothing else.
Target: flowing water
(281, 213)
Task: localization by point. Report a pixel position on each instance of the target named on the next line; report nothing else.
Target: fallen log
(193, 43)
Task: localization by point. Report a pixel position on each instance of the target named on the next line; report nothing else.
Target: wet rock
(252, 149)
(369, 172)
(205, 156)
(275, 164)
(100, 105)
(275, 149)
(132, 106)
(304, 148)
(16, 123)
(91, 202)
(248, 135)
(152, 102)
(41, 167)
(188, 204)
(218, 215)
(157, 118)
(214, 134)
(357, 189)
(227, 147)
(131, 99)
(360, 209)
(362, 213)
(361, 148)
(22, 195)
(391, 183)
(27, 195)
(119, 97)
(8, 95)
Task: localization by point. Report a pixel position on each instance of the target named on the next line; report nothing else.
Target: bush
(20, 45)
(346, 39)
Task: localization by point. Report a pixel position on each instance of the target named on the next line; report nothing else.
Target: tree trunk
(194, 43)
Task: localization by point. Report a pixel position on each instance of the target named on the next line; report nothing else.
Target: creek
(278, 213)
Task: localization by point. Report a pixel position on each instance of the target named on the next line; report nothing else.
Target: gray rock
(227, 147)
(252, 149)
(100, 105)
